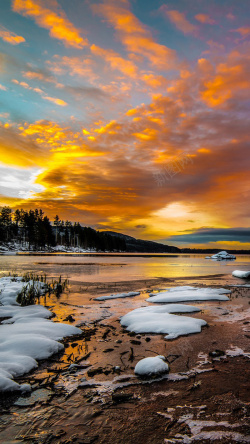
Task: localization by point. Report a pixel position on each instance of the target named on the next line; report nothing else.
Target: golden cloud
(204, 18)
(42, 93)
(244, 31)
(116, 62)
(17, 151)
(10, 37)
(55, 21)
(75, 66)
(135, 36)
(180, 21)
(155, 81)
(56, 101)
(230, 80)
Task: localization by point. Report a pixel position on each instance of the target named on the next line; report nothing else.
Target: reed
(37, 286)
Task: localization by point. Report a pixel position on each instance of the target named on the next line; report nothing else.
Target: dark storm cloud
(206, 235)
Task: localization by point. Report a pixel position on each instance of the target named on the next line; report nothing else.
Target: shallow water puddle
(40, 395)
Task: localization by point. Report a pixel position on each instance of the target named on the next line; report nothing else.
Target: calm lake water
(119, 267)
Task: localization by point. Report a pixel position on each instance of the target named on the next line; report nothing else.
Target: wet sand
(203, 399)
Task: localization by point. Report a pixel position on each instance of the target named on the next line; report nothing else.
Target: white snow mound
(151, 366)
(241, 274)
(31, 311)
(27, 335)
(159, 320)
(117, 296)
(187, 293)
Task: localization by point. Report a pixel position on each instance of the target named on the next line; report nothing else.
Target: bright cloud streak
(55, 21)
(117, 62)
(180, 21)
(10, 37)
(54, 100)
(134, 35)
(204, 18)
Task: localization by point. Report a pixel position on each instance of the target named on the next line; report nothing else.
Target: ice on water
(222, 255)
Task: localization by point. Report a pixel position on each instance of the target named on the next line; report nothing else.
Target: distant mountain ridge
(134, 245)
(142, 246)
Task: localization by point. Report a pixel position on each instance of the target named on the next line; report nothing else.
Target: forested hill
(32, 230)
(142, 246)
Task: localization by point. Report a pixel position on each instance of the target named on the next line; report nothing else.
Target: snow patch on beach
(31, 311)
(232, 315)
(187, 293)
(203, 359)
(27, 335)
(241, 274)
(151, 366)
(159, 320)
(199, 434)
(236, 351)
(117, 296)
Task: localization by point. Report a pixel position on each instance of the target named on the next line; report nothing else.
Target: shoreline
(145, 407)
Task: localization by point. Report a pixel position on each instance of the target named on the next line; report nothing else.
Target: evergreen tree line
(33, 229)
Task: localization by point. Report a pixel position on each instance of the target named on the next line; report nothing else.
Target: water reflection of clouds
(112, 269)
(91, 269)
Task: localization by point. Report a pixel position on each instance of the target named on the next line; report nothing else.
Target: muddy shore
(205, 398)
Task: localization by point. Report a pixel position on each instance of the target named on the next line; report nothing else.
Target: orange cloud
(180, 21)
(75, 66)
(108, 86)
(229, 81)
(49, 133)
(244, 31)
(17, 151)
(42, 77)
(55, 21)
(10, 37)
(204, 150)
(215, 45)
(204, 18)
(63, 142)
(34, 76)
(146, 135)
(116, 62)
(111, 128)
(44, 96)
(135, 36)
(205, 66)
(154, 81)
(56, 101)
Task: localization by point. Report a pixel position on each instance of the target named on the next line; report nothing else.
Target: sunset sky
(131, 116)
